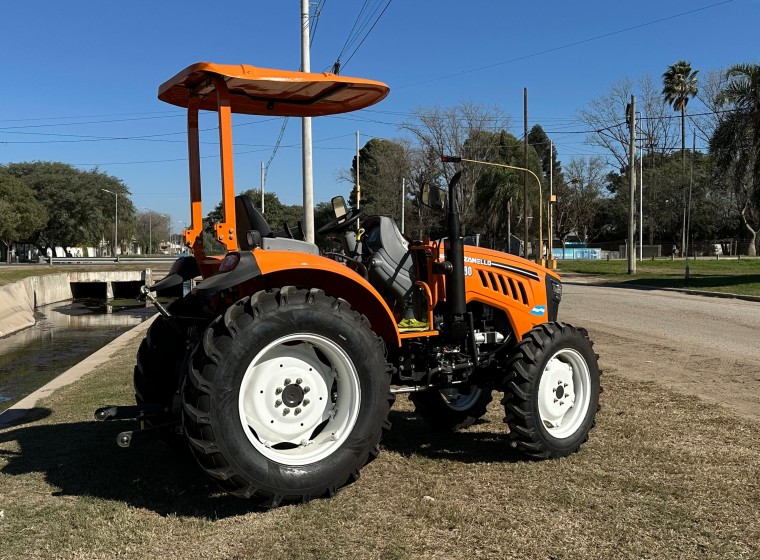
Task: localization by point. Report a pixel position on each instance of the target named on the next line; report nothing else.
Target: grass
(663, 476)
(725, 275)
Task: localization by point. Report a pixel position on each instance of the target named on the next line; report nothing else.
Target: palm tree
(679, 85)
(735, 144)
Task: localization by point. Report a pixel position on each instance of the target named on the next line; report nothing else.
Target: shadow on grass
(695, 282)
(411, 435)
(82, 459)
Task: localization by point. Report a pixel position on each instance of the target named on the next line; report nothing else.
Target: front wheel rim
(564, 393)
(460, 402)
(299, 399)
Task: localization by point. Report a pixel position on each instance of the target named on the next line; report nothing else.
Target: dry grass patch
(663, 476)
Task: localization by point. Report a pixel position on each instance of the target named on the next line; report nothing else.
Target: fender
(184, 268)
(266, 269)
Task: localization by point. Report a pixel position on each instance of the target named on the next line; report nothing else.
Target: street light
(539, 255)
(116, 222)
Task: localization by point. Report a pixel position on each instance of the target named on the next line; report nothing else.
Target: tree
(459, 131)
(736, 144)
(679, 83)
(21, 215)
(582, 198)
(606, 115)
(496, 188)
(152, 228)
(383, 164)
(79, 212)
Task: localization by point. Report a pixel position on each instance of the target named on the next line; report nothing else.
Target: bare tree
(606, 115)
(459, 130)
(710, 111)
(585, 187)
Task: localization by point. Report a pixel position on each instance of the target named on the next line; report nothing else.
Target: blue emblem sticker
(538, 310)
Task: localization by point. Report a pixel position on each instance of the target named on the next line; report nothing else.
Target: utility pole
(509, 225)
(356, 179)
(403, 197)
(630, 252)
(550, 264)
(688, 206)
(641, 203)
(308, 181)
(525, 178)
(262, 187)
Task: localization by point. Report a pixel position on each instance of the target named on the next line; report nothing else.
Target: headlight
(557, 291)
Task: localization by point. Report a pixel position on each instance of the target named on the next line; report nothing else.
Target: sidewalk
(587, 279)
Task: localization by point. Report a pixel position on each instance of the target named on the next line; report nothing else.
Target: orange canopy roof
(265, 91)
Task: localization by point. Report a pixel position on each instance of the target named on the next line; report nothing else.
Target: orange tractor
(280, 368)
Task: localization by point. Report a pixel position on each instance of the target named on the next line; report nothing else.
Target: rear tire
(552, 391)
(450, 409)
(290, 350)
(161, 361)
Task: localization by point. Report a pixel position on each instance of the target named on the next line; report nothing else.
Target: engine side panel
(515, 285)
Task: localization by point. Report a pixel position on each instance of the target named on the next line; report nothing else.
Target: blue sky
(79, 71)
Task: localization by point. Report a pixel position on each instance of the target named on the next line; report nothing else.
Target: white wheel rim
(288, 392)
(458, 401)
(564, 393)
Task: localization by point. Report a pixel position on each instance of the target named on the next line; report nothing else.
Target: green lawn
(662, 476)
(725, 275)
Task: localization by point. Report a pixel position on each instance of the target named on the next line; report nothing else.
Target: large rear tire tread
(525, 367)
(218, 440)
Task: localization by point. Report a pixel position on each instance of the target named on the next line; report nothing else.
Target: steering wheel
(341, 224)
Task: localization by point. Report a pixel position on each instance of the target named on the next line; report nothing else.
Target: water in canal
(65, 334)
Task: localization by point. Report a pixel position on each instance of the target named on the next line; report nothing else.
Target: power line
(357, 29)
(568, 45)
(276, 146)
(367, 34)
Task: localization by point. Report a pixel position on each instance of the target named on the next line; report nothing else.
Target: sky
(81, 77)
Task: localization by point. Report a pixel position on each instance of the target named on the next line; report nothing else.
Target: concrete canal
(64, 334)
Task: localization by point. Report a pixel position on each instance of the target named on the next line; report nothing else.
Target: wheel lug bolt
(298, 411)
(287, 381)
(285, 411)
(306, 389)
(555, 400)
(278, 402)
(299, 381)
(278, 391)
(306, 401)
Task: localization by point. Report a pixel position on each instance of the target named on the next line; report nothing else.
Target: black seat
(388, 261)
(247, 219)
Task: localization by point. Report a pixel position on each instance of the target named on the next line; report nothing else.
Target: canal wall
(19, 299)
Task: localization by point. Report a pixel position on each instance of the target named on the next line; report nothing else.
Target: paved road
(703, 346)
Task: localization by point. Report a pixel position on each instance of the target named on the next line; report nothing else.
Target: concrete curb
(18, 411)
(595, 282)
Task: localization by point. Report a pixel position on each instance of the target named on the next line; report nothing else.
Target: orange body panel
(488, 279)
(286, 268)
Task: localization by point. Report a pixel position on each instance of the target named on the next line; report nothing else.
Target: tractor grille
(504, 285)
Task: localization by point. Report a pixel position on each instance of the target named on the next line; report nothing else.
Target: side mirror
(339, 206)
(433, 197)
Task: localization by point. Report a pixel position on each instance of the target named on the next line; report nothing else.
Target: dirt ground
(700, 346)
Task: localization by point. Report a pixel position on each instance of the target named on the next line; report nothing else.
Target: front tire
(287, 396)
(552, 391)
(452, 409)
